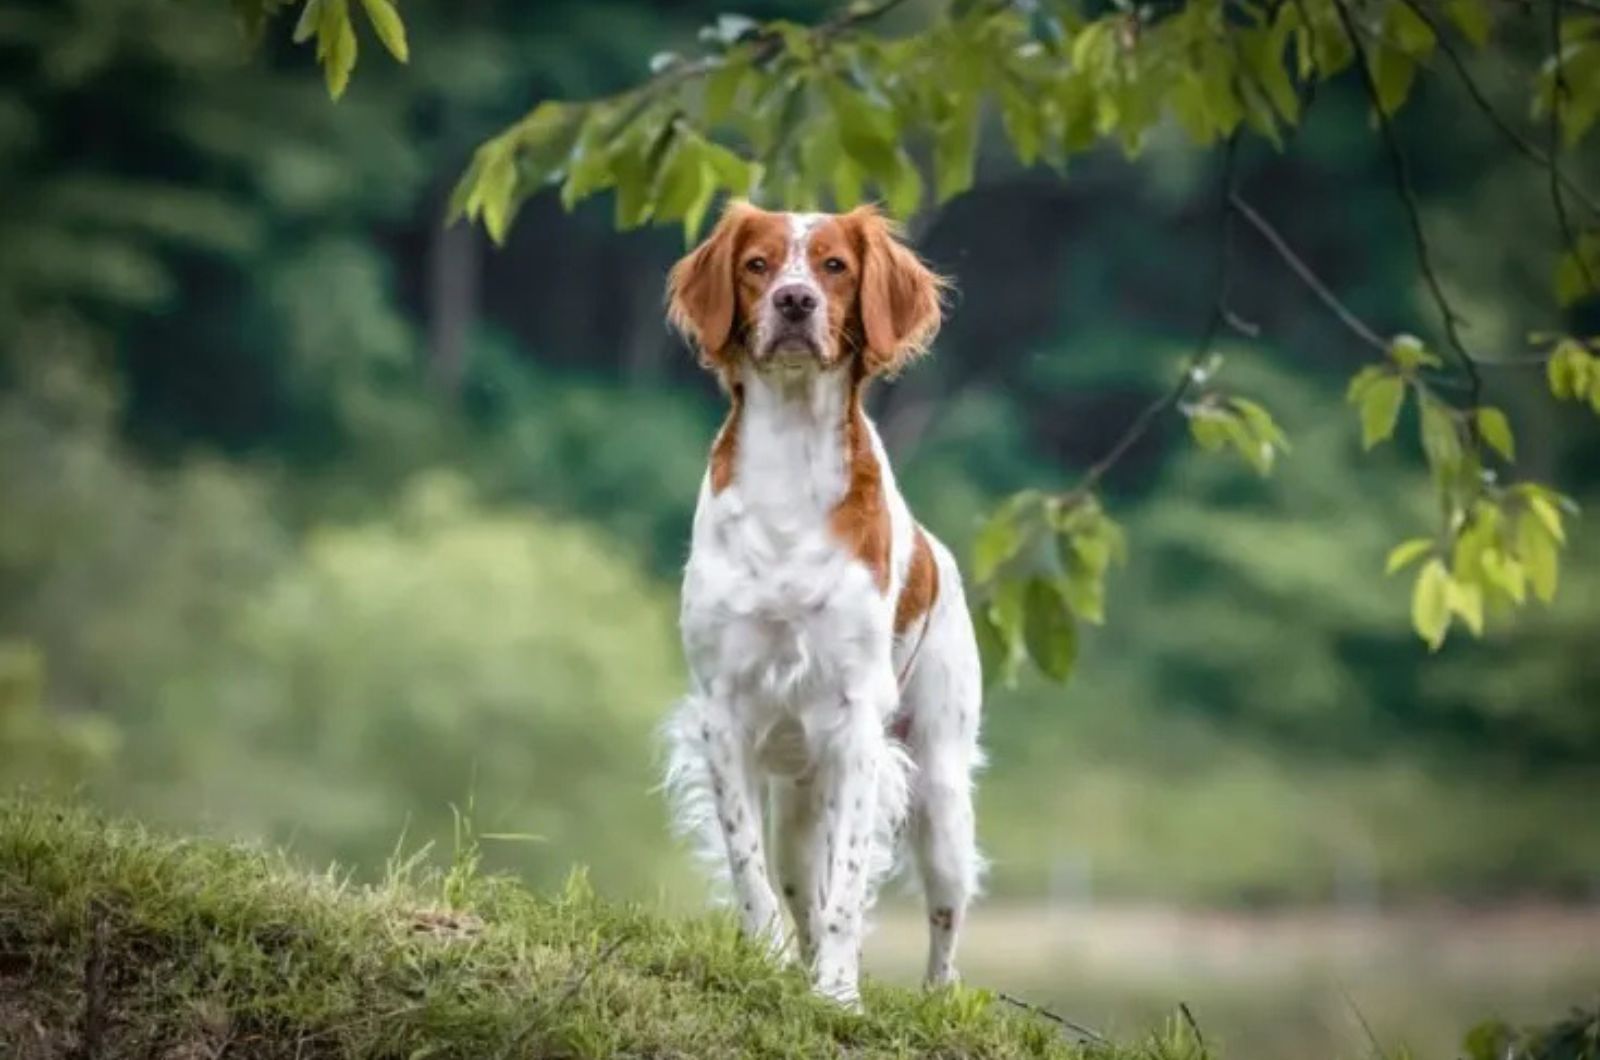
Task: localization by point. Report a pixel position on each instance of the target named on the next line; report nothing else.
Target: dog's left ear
(900, 296)
(700, 296)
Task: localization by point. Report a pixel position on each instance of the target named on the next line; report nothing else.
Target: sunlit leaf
(1537, 550)
(1430, 603)
(1380, 409)
(390, 30)
(1407, 553)
(1495, 429)
(1441, 441)
(1466, 601)
(1410, 354)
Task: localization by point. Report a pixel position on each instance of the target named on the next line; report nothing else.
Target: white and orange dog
(834, 671)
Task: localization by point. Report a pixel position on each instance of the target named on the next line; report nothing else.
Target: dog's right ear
(700, 295)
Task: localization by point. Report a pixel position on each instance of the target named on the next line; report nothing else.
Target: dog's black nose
(795, 301)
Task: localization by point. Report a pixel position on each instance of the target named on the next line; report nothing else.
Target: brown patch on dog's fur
(725, 447)
(860, 520)
(921, 587)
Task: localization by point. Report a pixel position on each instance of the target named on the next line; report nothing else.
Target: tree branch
(1193, 372)
(1481, 101)
(1408, 198)
(1307, 276)
(1559, 93)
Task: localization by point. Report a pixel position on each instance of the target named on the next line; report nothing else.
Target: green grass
(116, 942)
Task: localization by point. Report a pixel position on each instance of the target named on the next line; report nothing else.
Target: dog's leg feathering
(716, 793)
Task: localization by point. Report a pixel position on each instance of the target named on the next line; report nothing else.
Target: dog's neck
(793, 442)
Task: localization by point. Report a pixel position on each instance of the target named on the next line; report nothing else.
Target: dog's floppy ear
(900, 296)
(700, 296)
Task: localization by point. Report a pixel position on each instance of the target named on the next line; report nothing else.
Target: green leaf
(306, 26)
(903, 192)
(1410, 354)
(1209, 427)
(1537, 551)
(722, 88)
(1049, 632)
(631, 165)
(1392, 72)
(1260, 421)
(386, 23)
(681, 180)
(1504, 573)
(1380, 409)
(1362, 380)
(1020, 115)
(1264, 51)
(1466, 601)
(996, 543)
(1471, 17)
(1430, 603)
(955, 150)
(993, 651)
(1409, 30)
(492, 197)
(336, 37)
(1565, 369)
(1406, 553)
(866, 131)
(1548, 515)
(1495, 429)
(1441, 442)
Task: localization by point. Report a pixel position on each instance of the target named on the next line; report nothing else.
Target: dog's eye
(834, 265)
(756, 265)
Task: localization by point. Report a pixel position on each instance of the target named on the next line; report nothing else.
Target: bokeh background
(321, 522)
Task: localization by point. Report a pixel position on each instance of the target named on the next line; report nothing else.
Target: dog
(835, 678)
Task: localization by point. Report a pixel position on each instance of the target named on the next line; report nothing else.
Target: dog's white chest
(777, 608)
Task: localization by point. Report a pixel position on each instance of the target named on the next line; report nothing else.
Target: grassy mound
(118, 943)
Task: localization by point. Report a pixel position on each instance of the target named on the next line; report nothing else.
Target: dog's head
(804, 292)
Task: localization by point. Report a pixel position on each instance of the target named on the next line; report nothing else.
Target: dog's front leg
(736, 792)
(847, 787)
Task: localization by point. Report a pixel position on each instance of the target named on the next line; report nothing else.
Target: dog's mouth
(793, 346)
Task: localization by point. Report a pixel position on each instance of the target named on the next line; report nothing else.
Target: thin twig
(1194, 1026)
(1085, 1033)
(1372, 1038)
(1215, 319)
(576, 982)
(1408, 198)
(1559, 92)
(1307, 276)
(1527, 147)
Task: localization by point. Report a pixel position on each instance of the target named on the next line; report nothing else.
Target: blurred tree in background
(238, 345)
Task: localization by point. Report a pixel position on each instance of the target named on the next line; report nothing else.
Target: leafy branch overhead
(886, 100)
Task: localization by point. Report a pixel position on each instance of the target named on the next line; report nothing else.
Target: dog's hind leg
(944, 843)
(941, 703)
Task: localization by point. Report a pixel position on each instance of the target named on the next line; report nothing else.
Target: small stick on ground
(1084, 1033)
(1194, 1026)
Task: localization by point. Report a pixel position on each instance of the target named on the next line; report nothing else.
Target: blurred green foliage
(318, 518)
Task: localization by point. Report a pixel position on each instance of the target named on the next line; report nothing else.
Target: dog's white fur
(796, 671)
